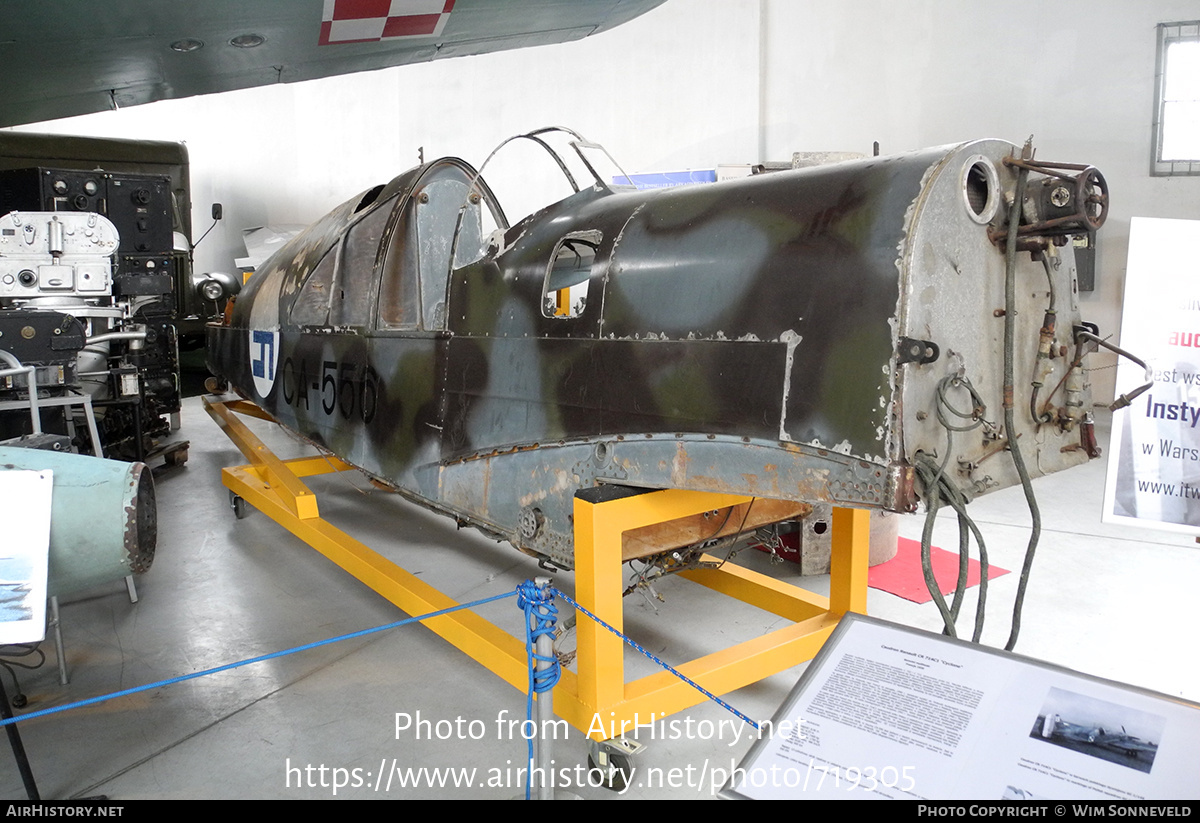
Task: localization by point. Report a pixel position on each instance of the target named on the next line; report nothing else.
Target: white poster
(1154, 453)
(25, 498)
(886, 711)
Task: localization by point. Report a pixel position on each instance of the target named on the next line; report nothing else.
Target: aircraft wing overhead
(60, 62)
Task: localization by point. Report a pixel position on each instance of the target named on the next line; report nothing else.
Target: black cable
(736, 536)
(927, 471)
(23, 650)
(933, 496)
(20, 650)
(1014, 449)
(643, 576)
(939, 486)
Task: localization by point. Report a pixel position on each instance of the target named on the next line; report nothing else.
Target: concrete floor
(1110, 601)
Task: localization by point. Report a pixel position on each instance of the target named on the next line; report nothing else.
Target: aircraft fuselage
(754, 337)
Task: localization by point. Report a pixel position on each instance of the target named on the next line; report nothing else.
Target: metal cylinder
(103, 521)
(56, 238)
(545, 711)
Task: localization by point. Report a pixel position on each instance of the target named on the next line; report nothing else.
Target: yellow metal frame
(598, 692)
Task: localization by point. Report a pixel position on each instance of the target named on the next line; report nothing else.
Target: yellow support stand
(602, 692)
(598, 690)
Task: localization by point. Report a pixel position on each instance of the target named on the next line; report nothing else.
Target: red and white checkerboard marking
(368, 21)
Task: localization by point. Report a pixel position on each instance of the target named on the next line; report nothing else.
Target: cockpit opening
(533, 170)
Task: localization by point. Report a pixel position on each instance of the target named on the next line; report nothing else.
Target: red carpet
(902, 574)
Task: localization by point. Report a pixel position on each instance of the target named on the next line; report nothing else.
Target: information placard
(887, 711)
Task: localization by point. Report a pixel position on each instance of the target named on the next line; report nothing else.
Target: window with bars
(1177, 109)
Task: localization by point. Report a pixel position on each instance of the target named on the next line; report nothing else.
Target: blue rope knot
(540, 617)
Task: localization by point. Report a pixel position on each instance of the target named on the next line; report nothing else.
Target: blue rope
(669, 668)
(540, 615)
(102, 698)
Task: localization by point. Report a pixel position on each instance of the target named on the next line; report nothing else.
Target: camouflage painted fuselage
(739, 337)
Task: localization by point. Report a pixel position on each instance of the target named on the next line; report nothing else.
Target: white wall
(676, 88)
(680, 87)
(1077, 74)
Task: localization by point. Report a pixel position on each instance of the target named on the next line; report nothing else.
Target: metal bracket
(911, 350)
(612, 759)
